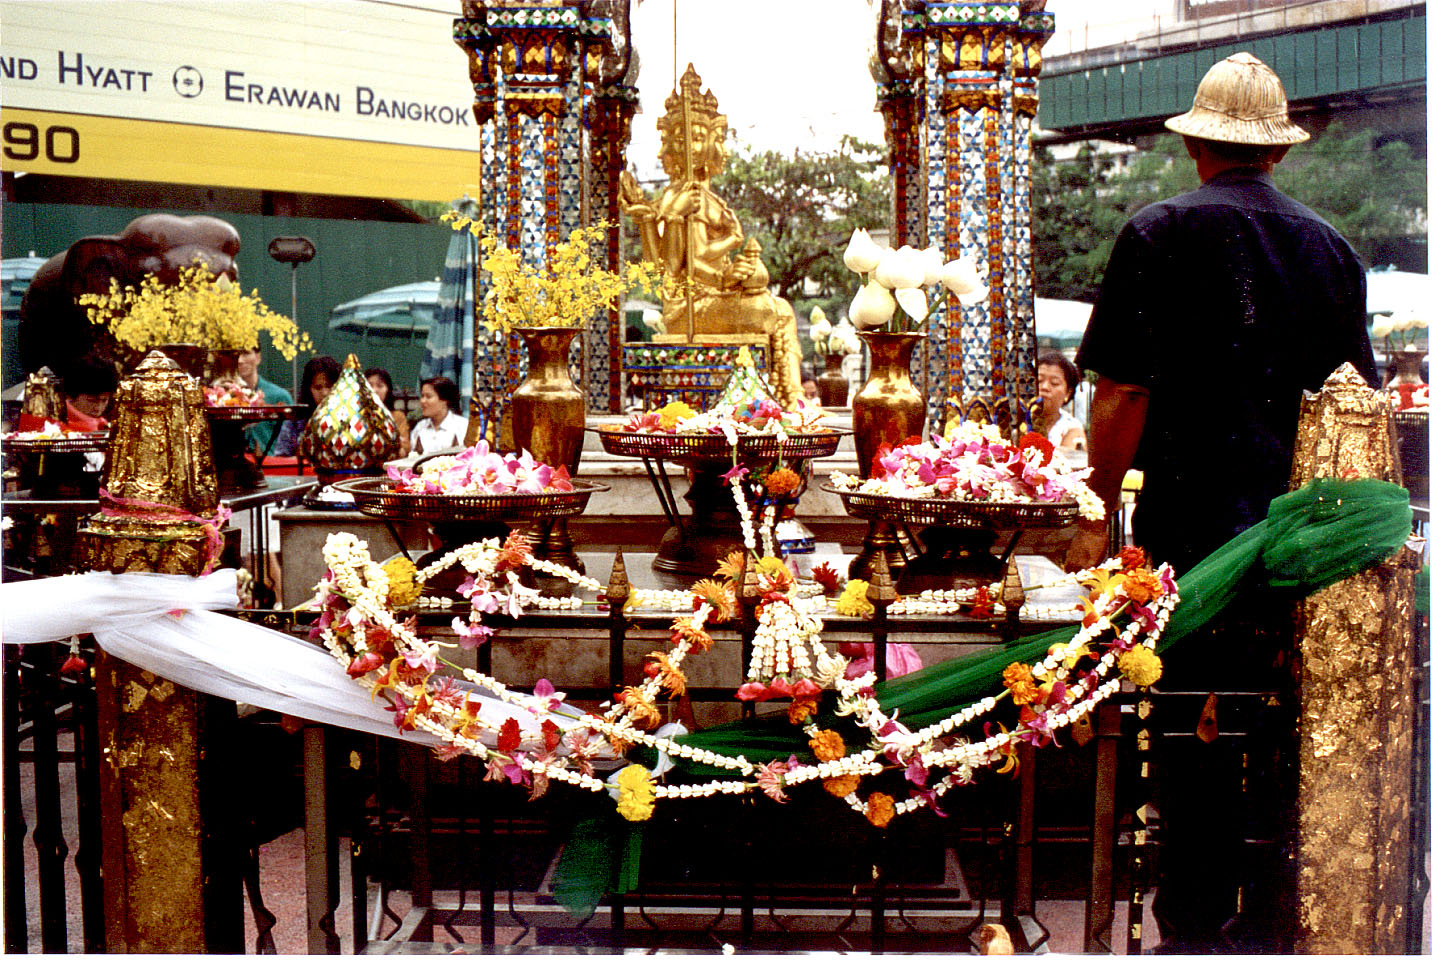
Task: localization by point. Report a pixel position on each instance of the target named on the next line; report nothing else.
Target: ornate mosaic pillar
(1356, 692)
(898, 68)
(610, 72)
(528, 66)
(978, 70)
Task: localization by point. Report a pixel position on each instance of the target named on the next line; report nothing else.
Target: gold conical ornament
(350, 430)
(159, 500)
(42, 400)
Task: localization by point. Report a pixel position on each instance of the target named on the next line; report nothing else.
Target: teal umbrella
(408, 310)
(450, 346)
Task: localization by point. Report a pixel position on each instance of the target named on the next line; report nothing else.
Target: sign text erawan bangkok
(73, 69)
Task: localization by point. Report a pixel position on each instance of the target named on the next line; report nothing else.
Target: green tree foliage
(1370, 194)
(802, 209)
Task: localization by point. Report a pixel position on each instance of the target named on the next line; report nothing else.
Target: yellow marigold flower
(880, 809)
(1021, 683)
(827, 745)
(637, 793)
(673, 412)
(852, 602)
(782, 481)
(842, 786)
(404, 589)
(1140, 666)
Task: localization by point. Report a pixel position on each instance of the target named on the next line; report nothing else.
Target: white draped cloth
(167, 624)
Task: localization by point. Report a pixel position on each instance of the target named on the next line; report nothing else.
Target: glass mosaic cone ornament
(350, 430)
(745, 385)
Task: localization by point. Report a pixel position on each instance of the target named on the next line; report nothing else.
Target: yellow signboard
(348, 97)
(115, 148)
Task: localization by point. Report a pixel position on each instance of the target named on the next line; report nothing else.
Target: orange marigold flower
(842, 786)
(1142, 585)
(880, 809)
(642, 713)
(782, 481)
(1021, 683)
(827, 745)
(730, 567)
(1132, 557)
(719, 596)
(802, 709)
(682, 631)
(672, 680)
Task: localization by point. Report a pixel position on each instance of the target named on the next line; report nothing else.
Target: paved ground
(282, 881)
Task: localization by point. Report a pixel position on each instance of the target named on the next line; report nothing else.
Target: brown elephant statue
(55, 332)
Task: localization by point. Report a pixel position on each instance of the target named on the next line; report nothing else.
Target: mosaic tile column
(610, 114)
(528, 66)
(977, 91)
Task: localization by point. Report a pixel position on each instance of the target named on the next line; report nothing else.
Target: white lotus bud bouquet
(839, 340)
(894, 296)
(1400, 329)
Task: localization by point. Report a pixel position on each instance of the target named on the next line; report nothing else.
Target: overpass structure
(1338, 59)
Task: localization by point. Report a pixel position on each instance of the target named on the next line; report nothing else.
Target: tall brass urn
(888, 408)
(548, 409)
(547, 413)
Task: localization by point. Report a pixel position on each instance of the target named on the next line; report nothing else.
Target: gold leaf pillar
(164, 871)
(1356, 697)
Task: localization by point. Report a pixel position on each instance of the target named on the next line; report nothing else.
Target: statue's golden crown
(702, 105)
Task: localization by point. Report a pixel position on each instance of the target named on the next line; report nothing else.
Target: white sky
(792, 73)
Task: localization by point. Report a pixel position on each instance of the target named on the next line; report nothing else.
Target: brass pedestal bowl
(958, 538)
(460, 518)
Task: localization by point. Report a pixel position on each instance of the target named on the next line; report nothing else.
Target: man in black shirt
(1218, 308)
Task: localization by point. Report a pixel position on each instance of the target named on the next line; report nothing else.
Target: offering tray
(375, 498)
(690, 447)
(461, 518)
(257, 414)
(959, 535)
(235, 468)
(696, 542)
(93, 442)
(57, 465)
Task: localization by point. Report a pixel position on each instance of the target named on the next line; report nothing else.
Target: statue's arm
(642, 212)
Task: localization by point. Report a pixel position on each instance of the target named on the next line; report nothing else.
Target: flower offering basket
(959, 535)
(461, 518)
(695, 544)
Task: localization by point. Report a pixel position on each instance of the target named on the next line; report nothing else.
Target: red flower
(364, 663)
(827, 576)
(74, 664)
(1035, 439)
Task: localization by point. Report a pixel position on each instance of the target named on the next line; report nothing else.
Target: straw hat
(1240, 100)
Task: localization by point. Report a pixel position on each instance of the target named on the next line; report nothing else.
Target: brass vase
(547, 412)
(222, 365)
(189, 357)
(832, 383)
(1412, 426)
(887, 409)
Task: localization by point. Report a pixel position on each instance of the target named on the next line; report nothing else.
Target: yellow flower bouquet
(199, 308)
(566, 291)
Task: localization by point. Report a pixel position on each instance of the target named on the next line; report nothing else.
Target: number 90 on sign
(23, 141)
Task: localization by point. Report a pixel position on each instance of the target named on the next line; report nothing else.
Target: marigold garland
(359, 627)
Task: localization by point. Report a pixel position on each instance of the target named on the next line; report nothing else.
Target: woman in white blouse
(439, 426)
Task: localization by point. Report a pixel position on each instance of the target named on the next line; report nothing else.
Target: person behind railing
(384, 387)
(440, 425)
(316, 381)
(248, 367)
(1057, 381)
